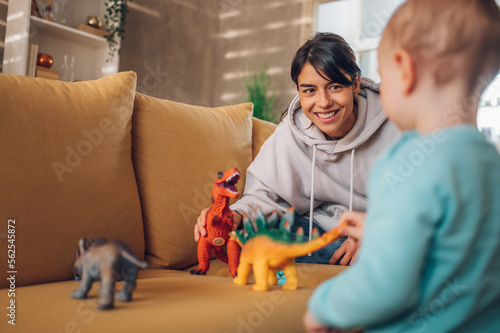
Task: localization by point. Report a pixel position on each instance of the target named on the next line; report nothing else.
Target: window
(488, 117)
(361, 23)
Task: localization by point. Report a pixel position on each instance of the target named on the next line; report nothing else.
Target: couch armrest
(261, 131)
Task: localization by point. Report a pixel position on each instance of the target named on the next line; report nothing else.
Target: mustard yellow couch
(97, 158)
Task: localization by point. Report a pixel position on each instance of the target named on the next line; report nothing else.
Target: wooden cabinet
(58, 39)
(3, 17)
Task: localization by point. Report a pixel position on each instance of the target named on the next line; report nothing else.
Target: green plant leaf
(257, 87)
(115, 21)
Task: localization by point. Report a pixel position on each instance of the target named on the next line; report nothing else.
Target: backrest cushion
(66, 171)
(261, 131)
(177, 151)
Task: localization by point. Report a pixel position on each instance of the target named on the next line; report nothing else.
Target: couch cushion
(165, 301)
(177, 151)
(66, 171)
(309, 275)
(261, 131)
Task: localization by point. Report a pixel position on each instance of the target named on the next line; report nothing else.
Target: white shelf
(89, 50)
(67, 33)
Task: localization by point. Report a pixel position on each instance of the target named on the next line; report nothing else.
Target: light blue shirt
(430, 256)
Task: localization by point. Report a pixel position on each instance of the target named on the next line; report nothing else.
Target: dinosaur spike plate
(269, 248)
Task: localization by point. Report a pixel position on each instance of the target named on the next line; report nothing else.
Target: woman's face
(329, 105)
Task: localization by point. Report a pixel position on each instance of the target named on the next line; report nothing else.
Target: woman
(318, 158)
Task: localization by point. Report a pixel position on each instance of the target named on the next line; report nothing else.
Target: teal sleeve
(383, 284)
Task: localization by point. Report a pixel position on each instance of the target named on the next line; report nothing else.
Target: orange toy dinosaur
(219, 223)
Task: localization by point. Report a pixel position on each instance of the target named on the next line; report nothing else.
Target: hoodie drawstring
(351, 191)
(311, 206)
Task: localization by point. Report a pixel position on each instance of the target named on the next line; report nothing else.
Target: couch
(98, 159)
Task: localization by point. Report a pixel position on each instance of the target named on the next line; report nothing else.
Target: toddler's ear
(406, 69)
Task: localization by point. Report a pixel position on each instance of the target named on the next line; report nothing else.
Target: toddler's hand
(355, 225)
(312, 326)
(348, 251)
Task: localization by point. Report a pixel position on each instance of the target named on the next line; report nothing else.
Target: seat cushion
(166, 301)
(177, 151)
(66, 171)
(309, 275)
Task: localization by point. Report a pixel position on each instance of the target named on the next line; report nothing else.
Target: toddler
(429, 260)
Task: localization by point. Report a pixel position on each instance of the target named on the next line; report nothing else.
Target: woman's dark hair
(329, 54)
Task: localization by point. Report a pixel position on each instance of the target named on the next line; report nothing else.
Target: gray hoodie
(281, 175)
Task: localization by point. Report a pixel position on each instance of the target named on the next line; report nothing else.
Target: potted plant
(115, 18)
(257, 92)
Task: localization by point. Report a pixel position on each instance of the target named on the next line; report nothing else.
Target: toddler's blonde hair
(450, 39)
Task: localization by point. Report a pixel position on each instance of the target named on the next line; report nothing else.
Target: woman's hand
(201, 221)
(312, 326)
(354, 229)
(355, 225)
(199, 227)
(348, 249)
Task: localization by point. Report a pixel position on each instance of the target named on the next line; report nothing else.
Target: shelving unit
(90, 51)
(66, 33)
(3, 16)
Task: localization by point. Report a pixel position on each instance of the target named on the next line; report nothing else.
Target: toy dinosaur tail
(297, 250)
(131, 258)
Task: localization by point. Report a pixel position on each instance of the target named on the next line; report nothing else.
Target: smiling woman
(328, 79)
(319, 157)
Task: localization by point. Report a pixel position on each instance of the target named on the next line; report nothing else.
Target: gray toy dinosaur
(107, 262)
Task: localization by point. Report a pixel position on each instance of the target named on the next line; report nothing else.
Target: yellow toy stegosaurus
(269, 248)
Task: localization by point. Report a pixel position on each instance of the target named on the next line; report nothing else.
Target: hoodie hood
(297, 166)
(370, 117)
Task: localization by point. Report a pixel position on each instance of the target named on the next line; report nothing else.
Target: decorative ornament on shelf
(68, 68)
(92, 25)
(47, 14)
(58, 12)
(115, 18)
(44, 60)
(94, 21)
(35, 9)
